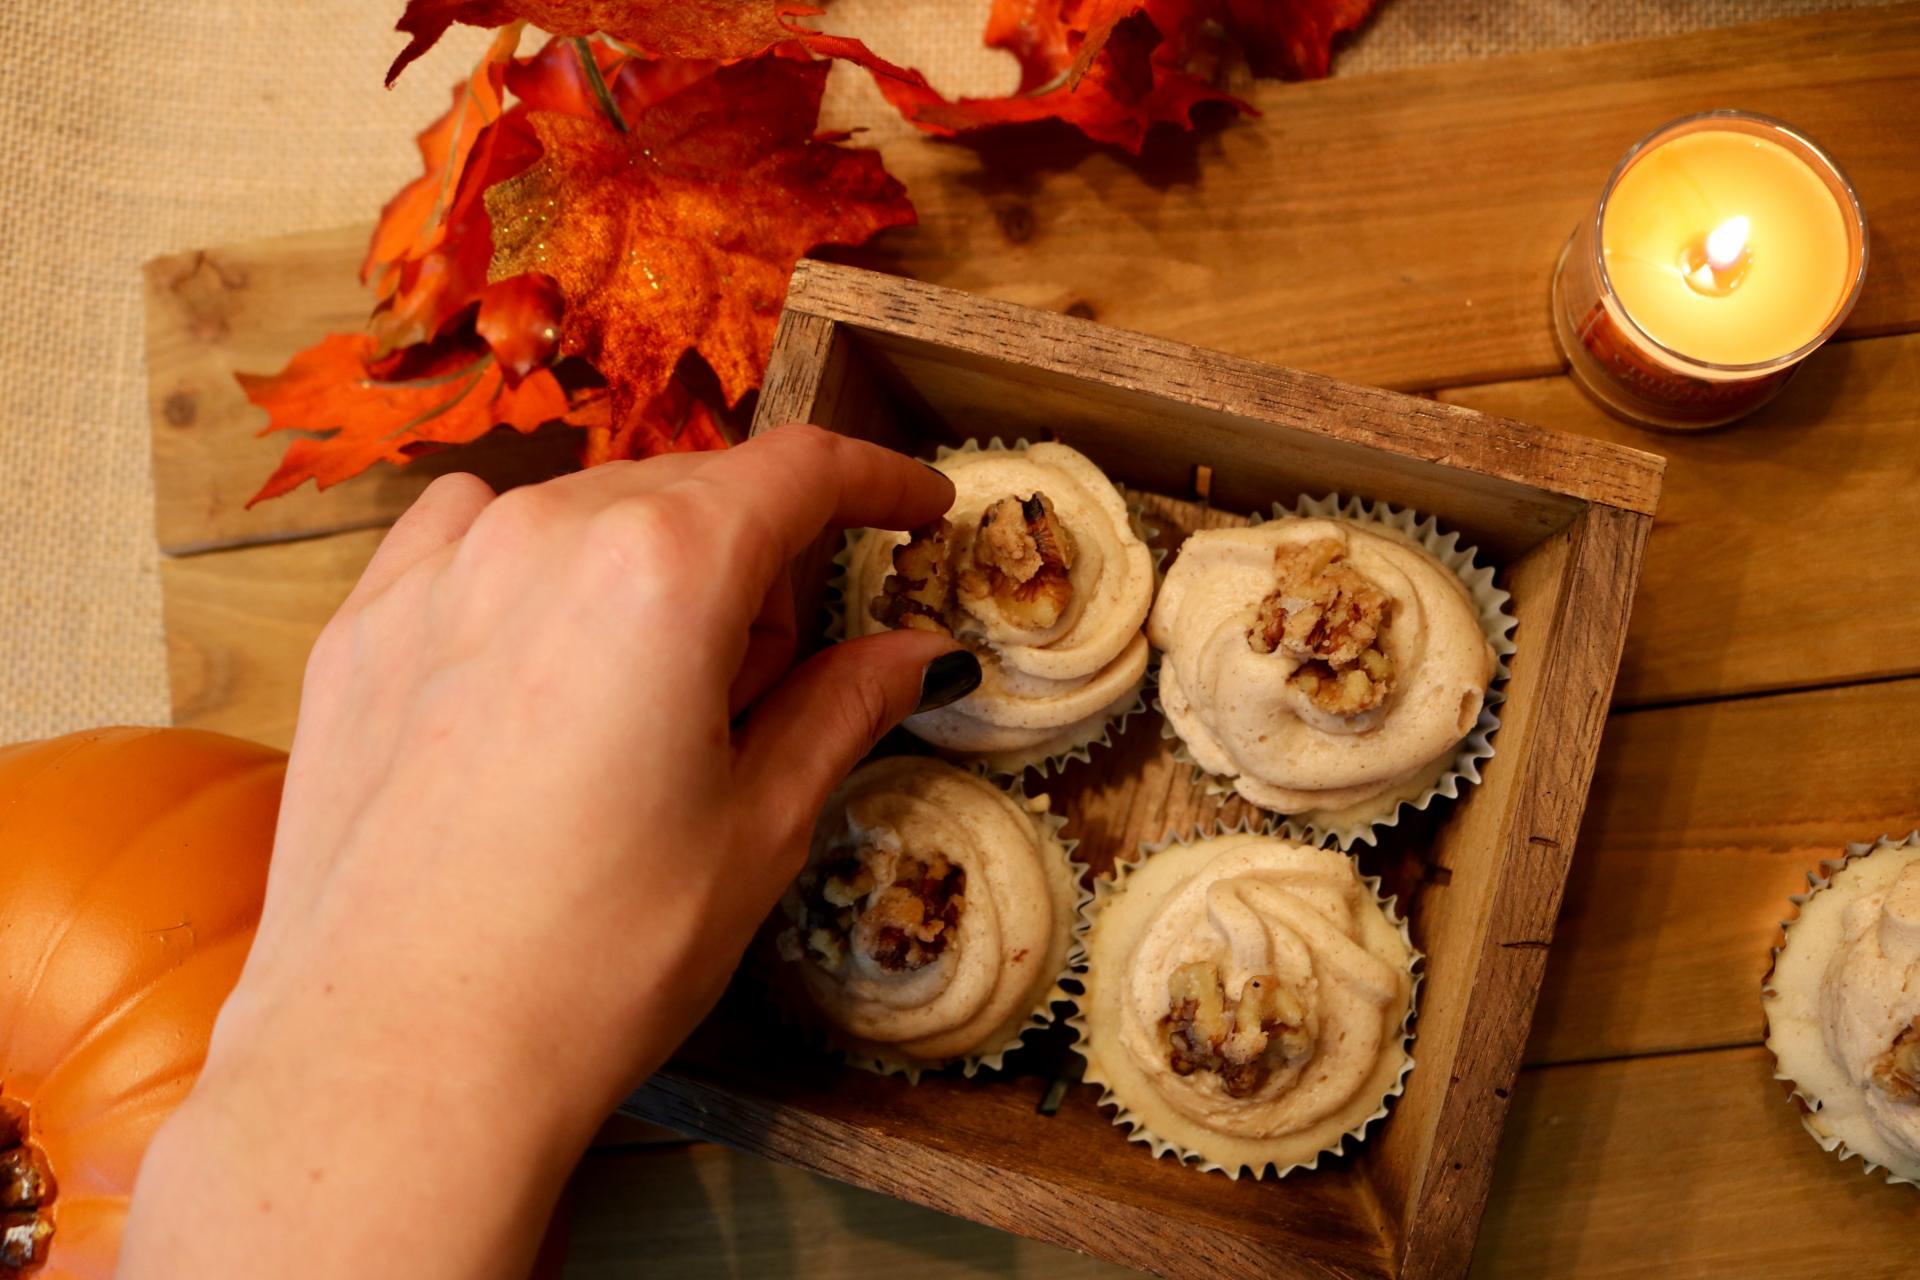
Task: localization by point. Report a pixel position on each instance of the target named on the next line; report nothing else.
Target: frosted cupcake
(1843, 1008)
(1327, 668)
(1039, 571)
(1247, 1000)
(933, 920)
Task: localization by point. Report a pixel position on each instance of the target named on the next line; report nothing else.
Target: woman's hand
(551, 771)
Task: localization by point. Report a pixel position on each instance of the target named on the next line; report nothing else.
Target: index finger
(805, 478)
(798, 480)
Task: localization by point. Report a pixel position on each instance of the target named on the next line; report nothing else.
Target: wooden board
(1394, 229)
(217, 312)
(1692, 1165)
(239, 625)
(1703, 819)
(1801, 571)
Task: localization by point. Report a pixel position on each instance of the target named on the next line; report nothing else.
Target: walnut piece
(1022, 555)
(1331, 617)
(900, 916)
(1896, 1072)
(919, 591)
(1264, 1029)
(26, 1195)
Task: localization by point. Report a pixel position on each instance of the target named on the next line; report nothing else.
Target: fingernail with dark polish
(949, 678)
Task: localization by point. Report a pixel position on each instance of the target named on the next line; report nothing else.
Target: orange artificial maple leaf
(675, 421)
(371, 413)
(1115, 68)
(1054, 40)
(1291, 39)
(1099, 65)
(414, 222)
(724, 30)
(679, 234)
(434, 242)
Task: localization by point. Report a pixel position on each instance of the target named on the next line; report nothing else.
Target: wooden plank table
(1397, 229)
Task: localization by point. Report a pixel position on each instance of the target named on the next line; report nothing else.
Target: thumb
(806, 734)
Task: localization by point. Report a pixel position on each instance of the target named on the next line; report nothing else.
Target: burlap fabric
(156, 126)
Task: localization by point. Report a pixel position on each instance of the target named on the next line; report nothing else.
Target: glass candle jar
(1725, 248)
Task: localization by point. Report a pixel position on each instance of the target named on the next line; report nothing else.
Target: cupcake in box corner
(1843, 1007)
(933, 921)
(1329, 668)
(1039, 570)
(1247, 1002)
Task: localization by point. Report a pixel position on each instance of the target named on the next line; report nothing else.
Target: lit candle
(1725, 249)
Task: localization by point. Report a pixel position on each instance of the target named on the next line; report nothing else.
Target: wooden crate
(1566, 519)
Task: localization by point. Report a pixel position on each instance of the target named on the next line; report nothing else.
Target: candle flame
(1727, 243)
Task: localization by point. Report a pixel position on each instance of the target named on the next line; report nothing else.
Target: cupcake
(1247, 1002)
(1038, 570)
(1328, 668)
(933, 920)
(1843, 1007)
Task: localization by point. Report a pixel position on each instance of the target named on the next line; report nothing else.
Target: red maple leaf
(679, 234)
(388, 411)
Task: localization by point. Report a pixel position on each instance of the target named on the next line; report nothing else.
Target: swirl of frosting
(1845, 1025)
(934, 914)
(1318, 663)
(1246, 999)
(1038, 570)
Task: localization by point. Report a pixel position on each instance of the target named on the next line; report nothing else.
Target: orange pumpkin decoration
(132, 864)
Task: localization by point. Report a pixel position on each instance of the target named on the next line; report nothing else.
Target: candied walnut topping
(26, 1195)
(1896, 1072)
(1264, 1029)
(1331, 617)
(1022, 556)
(902, 924)
(919, 592)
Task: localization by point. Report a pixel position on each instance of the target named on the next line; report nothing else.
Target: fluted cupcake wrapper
(1123, 1117)
(1075, 742)
(1362, 823)
(794, 1013)
(1810, 1106)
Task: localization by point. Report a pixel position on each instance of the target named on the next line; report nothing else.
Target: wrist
(410, 1057)
(300, 1122)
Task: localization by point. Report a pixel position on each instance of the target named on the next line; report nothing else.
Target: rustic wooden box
(1565, 518)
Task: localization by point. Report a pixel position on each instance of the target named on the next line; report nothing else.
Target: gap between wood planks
(1703, 699)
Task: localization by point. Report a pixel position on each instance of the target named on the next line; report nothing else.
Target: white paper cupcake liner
(1810, 1106)
(1076, 741)
(792, 1010)
(1362, 823)
(1137, 1130)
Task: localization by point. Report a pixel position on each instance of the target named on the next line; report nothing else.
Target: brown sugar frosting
(1038, 569)
(1317, 663)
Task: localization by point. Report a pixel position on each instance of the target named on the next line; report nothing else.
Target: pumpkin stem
(26, 1193)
